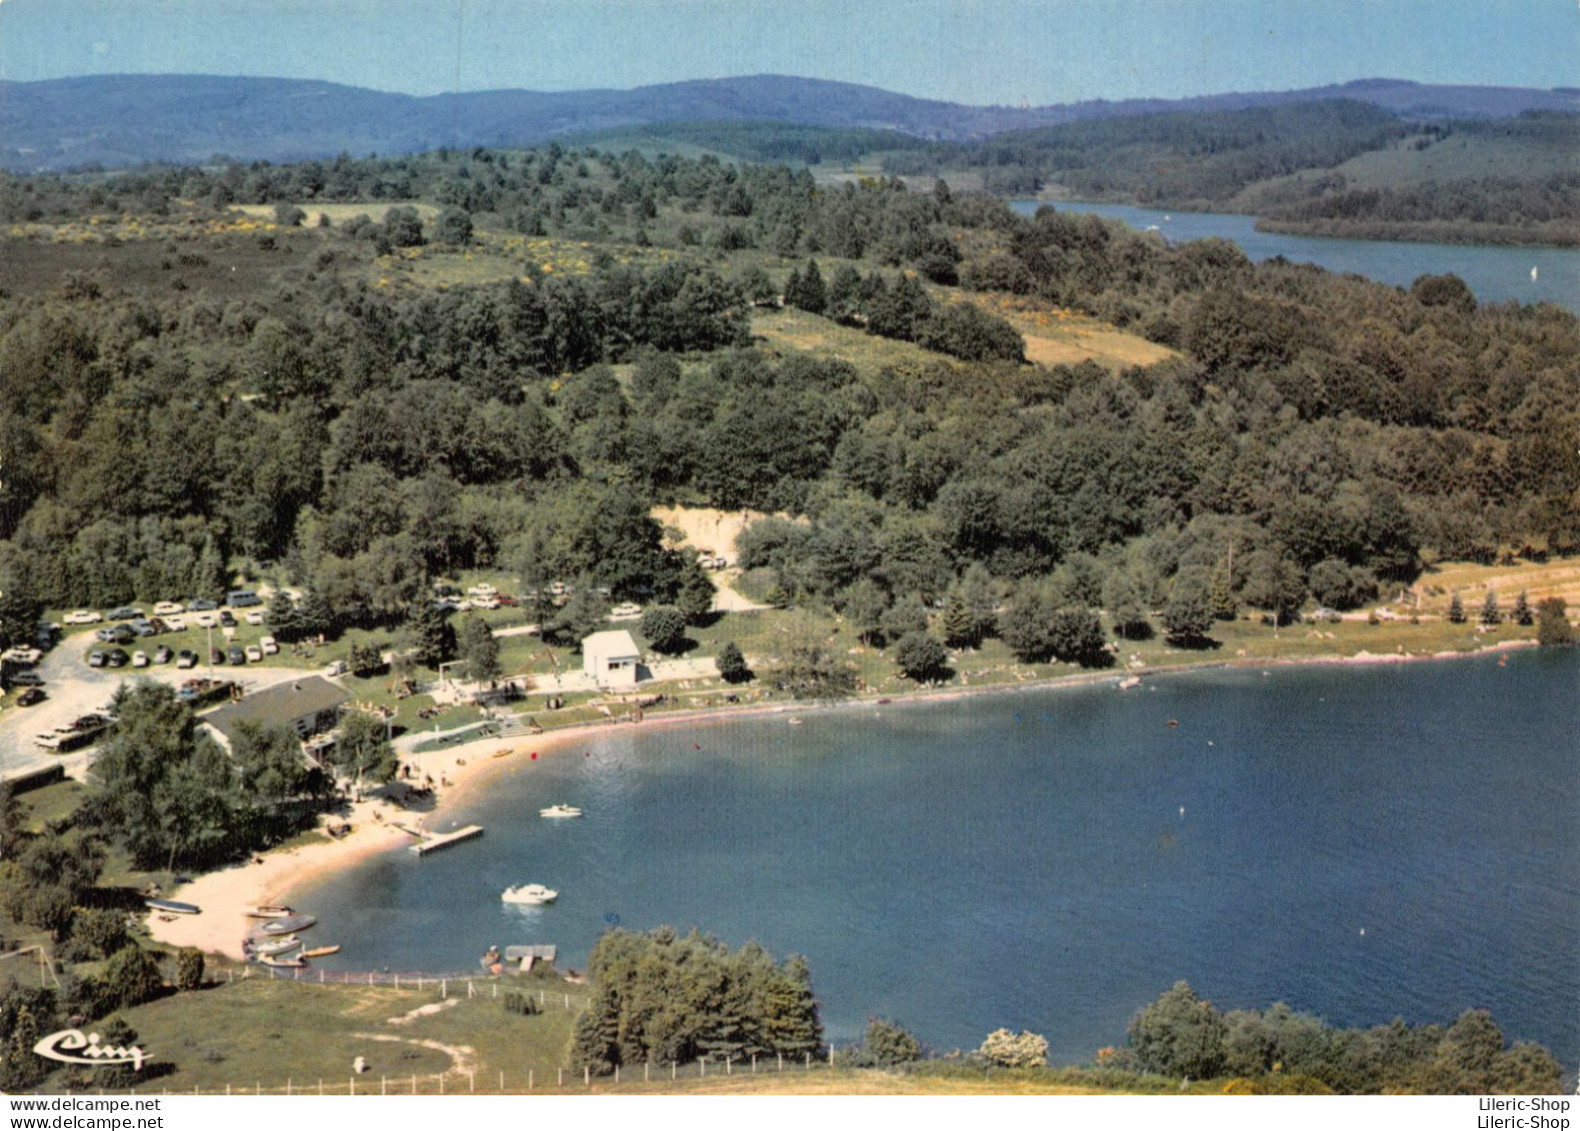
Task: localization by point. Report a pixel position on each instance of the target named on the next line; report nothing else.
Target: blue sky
(975, 51)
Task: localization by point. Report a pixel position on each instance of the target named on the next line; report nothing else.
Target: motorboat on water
(1129, 683)
(529, 893)
(560, 811)
(289, 925)
(172, 907)
(321, 951)
(269, 911)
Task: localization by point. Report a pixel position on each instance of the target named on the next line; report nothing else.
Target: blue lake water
(1054, 859)
(1494, 274)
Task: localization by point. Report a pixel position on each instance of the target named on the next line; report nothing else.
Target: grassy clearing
(1557, 578)
(258, 1035)
(262, 1032)
(791, 329)
(1055, 336)
(340, 213)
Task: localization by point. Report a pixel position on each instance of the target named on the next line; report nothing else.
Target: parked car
(30, 696)
(83, 616)
(507, 600)
(269, 645)
(227, 619)
(253, 617)
(216, 656)
(254, 654)
(144, 627)
(200, 605)
(175, 624)
(115, 634)
(139, 659)
(167, 608)
(163, 655)
(186, 658)
(485, 602)
(236, 655)
(242, 598)
(124, 613)
(629, 609)
(117, 658)
(206, 620)
(96, 659)
(28, 656)
(27, 679)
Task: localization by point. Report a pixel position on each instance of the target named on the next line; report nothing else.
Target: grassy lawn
(266, 1032)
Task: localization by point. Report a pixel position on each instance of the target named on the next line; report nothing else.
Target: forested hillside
(511, 371)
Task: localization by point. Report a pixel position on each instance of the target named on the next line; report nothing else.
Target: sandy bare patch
(424, 1011)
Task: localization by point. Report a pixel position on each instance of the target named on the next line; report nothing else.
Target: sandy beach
(225, 896)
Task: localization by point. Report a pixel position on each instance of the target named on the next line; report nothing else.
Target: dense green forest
(1179, 160)
(162, 420)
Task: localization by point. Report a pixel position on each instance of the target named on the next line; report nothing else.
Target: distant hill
(117, 120)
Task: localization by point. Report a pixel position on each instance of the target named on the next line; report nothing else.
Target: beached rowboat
(276, 946)
(269, 911)
(288, 963)
(288, 925)
(172, 906)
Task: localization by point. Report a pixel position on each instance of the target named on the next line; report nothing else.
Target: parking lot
(74, 689)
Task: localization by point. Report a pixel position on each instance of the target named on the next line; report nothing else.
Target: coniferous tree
(478, 649)
(732, 664)
(1490, 613)
(1521, 613)
(1456, 610)
(432, 635)
(806, 291)
(960, 630)
(282, 618)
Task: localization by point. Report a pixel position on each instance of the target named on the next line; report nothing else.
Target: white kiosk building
(610, 659)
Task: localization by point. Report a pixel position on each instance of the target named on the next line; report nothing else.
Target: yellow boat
(320, 951)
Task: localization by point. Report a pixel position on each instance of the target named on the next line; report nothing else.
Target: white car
(254, 654)
(626, 610)
(139, 659)
(83, 616)
(176, 624)
(482, 591)
(206, 620)
(485, 602)
(269, 645)
(253, 617)
(168, 608)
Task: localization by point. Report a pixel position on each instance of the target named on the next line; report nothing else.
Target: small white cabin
(610, 659)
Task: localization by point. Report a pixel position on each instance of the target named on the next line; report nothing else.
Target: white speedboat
(1129, 683)
(529, 893)
(560, 811)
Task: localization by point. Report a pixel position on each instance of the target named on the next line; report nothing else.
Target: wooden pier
(435, 841)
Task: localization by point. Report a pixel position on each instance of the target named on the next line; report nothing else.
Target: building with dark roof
(308, 706)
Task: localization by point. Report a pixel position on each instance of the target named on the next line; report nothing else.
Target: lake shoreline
(464, 770)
